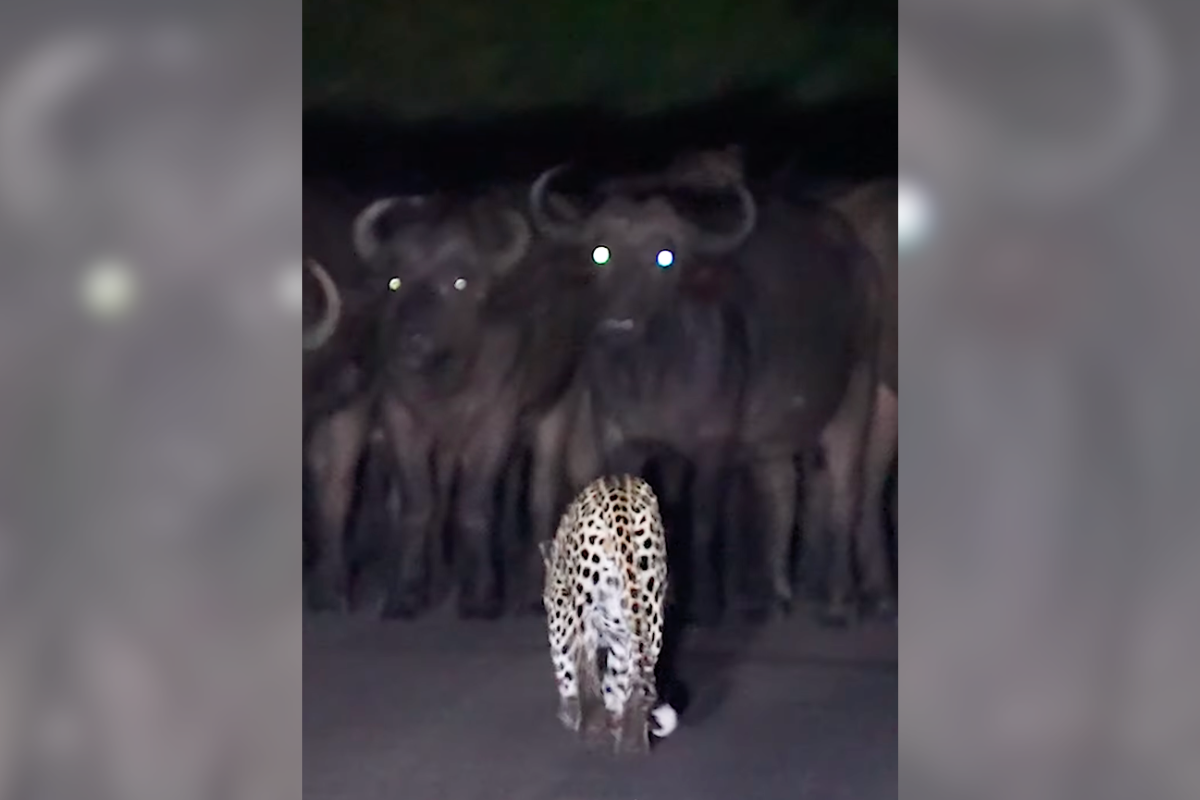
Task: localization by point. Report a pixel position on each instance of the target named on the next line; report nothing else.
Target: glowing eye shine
(665, 258)
(600, 255)
(290, 289)
(914, 214)
(394, 284)
(109, 288)
(460, 284)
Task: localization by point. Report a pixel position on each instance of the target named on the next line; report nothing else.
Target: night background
(468, 81)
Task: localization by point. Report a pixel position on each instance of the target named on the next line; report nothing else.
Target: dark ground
(441, 709)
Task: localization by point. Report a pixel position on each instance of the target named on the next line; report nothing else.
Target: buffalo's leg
(585, 450)
(894, 501)
(672, 482)
(774, 483)
(512, 498)
(877, 584)
(482, 463)
(545, 499)
(705, 583)
(844, 441)
(378, 509)
(335, 448)
(812, 511)
(445, 471)
(673, 472)
(408, 549)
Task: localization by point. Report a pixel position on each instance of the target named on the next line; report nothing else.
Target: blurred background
(1045, 505)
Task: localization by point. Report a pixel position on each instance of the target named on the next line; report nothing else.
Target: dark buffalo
(480, 334)
(340, 309)
(871, 210)
(730, 339)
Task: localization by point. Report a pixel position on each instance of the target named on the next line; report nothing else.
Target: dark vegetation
(472, 91)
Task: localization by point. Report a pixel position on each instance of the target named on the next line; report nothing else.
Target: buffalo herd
(473, 357)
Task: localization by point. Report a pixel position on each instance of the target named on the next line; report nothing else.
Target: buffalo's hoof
(756, 614)
(881, 607)
(324, 599)
(836, 614)
(479, 608)
(706, 615)
(405, 604)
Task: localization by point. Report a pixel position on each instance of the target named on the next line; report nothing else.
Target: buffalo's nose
(614, 325)
(617, 330)
(416, 348)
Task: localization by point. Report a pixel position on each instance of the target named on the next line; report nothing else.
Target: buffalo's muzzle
(617, 329)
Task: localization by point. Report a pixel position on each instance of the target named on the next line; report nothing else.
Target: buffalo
(480, 334)
(871, 210)
(340, 310)
(730, 337)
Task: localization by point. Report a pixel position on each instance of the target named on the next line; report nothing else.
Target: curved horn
(547, 226)
(319, 334)
(1139, 53)
(44, 84)
(708, 242)
(518, 245)
(1040, 172)
(366, 242)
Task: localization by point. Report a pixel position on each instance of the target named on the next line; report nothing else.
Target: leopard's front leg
(624, 698)
(567, 682)
(565, 641)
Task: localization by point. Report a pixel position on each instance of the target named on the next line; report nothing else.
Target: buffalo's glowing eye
(601, 255)
(460, 284)
(394, 284)
(665, 258)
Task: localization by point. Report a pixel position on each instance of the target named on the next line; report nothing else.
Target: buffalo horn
(1056, 171)
(557, 230)
(708, 242)
(316, 336)
(366, 241)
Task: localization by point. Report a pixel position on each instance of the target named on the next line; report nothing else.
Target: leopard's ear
(547, 551)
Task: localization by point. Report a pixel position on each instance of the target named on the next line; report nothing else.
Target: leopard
(604, 593)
